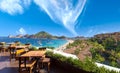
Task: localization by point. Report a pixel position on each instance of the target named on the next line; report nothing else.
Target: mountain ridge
(41, 34)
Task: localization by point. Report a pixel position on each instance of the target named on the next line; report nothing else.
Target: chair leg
(30, 70)
(48, 66)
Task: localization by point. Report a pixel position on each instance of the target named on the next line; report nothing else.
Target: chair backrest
(17, 43)
(28, 45)
(42, 48)
(11, 47)
(2, 43)
(20, 51)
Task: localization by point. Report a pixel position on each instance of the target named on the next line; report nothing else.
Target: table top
(10, 43)
(21, 46)
(34, 54)
(17, 47)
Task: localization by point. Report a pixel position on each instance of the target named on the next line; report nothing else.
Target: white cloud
(63, 11)
(60, 11)
(26, 2)
(90, 31)
(21, 31)
(13, 6)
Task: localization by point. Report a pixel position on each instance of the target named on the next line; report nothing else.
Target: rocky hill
(41, 34)
(115, 35)
(103, 48)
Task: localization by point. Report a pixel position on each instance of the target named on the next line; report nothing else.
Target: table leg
(19, 63)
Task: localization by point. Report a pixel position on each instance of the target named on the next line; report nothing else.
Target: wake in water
(39, 42)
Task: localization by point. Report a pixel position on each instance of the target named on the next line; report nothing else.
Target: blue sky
(59, 17)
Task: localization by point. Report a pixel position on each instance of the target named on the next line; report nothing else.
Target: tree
(99, 58)
(113, 63)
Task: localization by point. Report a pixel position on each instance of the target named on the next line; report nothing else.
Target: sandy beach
(61, 48)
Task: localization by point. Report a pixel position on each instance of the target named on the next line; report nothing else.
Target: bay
(36, 42)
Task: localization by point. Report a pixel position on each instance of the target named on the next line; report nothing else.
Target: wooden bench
(28, 67)
(45, 61)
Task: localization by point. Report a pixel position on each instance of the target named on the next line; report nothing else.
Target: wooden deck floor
(12, 67)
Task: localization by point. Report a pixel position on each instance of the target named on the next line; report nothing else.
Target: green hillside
(103, 48)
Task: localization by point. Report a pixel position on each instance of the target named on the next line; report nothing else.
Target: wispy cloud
(26, 2)
(90, 31)
(21, 31)
(63, 11)
(13, 6)
(94, 30)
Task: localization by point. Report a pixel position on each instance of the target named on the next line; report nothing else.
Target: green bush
(76, 52)
(50, 47)
(87, 64)
(49, 53)
(33, 48)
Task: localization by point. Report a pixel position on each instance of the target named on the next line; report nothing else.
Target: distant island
(41, 34)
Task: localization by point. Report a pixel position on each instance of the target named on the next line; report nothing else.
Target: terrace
(9, 63)
(12, 67)
(58, 63)
(7, 66)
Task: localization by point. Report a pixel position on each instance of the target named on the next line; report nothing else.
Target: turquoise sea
(36, 42)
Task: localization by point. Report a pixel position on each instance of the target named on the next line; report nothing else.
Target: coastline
(63, 47)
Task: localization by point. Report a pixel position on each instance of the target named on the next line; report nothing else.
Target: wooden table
(13, 50)
(18, 47)
(21, 46)
(35, 54)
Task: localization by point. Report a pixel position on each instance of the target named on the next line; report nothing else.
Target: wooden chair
(2, 43)
(42, 48)
(15, 52)
(17, 43)
(12, 51)
(28, 45)
(26, 66)
(3, 47)
(45, 62)
(19, 52)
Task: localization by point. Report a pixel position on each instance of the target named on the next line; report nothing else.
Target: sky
(59, 17)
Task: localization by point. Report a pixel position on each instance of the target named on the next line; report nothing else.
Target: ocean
(36, 42)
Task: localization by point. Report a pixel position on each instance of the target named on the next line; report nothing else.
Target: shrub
(33, 48)
(87, 64)
(76, 52)
(49, 53)
(50, 47)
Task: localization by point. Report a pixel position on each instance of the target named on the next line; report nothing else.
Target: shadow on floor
(9, 70)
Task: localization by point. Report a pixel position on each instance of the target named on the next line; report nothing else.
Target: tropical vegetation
(103, 48)
(86, 65)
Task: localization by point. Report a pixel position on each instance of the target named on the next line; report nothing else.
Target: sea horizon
(37, 42)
